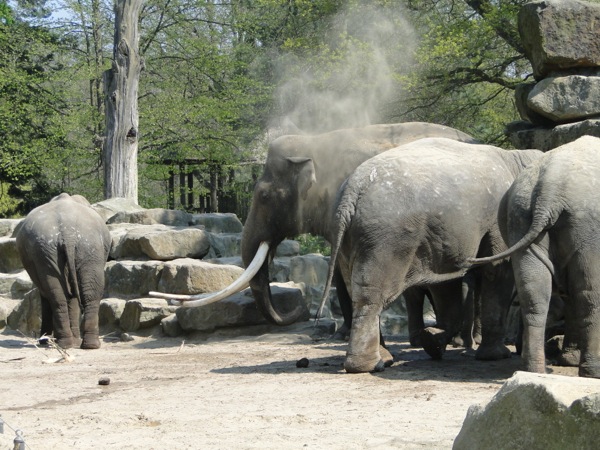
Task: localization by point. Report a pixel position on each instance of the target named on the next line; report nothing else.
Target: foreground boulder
(535, 411)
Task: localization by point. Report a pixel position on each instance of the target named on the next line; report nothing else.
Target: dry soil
(237, 390)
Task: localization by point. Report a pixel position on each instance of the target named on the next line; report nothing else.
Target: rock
(560, 34)
(224, 245)
(158, 242)
(130, 279)
(219, 222)
(545, 139)
(522, 92)
(170, 326)
(302, 363)
(104, 381)
(144, 313)
(154, 216)
(535, 411)
(564, 99)
(110, 207)
(27, 316)
(288, 248)
(15, 285)
(7, 226)
(10, 261)
(110, 311)
(190, 276)
(239, 309)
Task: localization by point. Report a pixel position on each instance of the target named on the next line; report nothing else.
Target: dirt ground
(237, 392)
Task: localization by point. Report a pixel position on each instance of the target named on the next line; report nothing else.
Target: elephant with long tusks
(64, 245)
(551, 219)
(411, 217)
(296, 195)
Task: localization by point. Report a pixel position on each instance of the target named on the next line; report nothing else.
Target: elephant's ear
(305, 170)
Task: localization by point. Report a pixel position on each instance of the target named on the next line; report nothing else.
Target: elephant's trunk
(261, 290)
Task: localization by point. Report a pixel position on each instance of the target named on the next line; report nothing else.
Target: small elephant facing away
(551, 219)
(64, 245)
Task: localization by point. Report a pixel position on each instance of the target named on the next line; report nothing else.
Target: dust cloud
(352, 76)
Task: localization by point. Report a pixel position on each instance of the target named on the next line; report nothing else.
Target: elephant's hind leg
(534, 286)
(584, 291)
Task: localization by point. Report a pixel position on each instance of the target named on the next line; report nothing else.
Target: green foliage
(313, 244)
(469, 61)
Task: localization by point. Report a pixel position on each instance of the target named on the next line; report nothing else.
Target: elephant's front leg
(447, 298)
(415, 302)
(496, 295)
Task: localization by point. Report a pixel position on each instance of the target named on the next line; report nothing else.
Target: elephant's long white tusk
(238, 285)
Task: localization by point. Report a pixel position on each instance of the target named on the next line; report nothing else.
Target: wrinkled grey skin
(411, 217)
(297, 190)
(551, 219)
(64, 245)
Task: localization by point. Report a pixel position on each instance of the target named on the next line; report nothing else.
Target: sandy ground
(237, 392)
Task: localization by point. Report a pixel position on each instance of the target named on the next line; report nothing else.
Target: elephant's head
(275, 214)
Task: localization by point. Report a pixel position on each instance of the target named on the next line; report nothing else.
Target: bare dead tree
(121, 84)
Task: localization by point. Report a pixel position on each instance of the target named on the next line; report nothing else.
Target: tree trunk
(121, 84)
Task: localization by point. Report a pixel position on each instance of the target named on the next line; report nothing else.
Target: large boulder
(130, 279)
(239, 309)
(535, 411)
(112, 206)
(26, 317)
(218, 222)
(190, 276)
(523, 135)
(10, 261)
(559, 34)
(154, 216)
(566, 98)
(159, 242)
(144, 313)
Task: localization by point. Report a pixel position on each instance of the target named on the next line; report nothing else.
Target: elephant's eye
(264, 195)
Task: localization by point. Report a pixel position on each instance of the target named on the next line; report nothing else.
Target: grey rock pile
(561, 39)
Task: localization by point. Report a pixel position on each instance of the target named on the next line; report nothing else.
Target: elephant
(550, 218)
(64, 245)
(411, 217)
(296, 195)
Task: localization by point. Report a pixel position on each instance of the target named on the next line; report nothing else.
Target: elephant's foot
(458, 341)
(434, 342)
(90, 343)
(492, 352)
(66, 343)
(414, 338)
(590, 369)
(534, 365)
(569, 357)
(361, 364)
(386, 356)
(342, 334)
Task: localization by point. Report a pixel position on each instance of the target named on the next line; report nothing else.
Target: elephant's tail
(342, 218)
(70, 272)
(545, 214)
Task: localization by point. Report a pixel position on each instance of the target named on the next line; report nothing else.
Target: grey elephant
(64, 245)
(296, 194)
(411, 217)
(550, 218)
